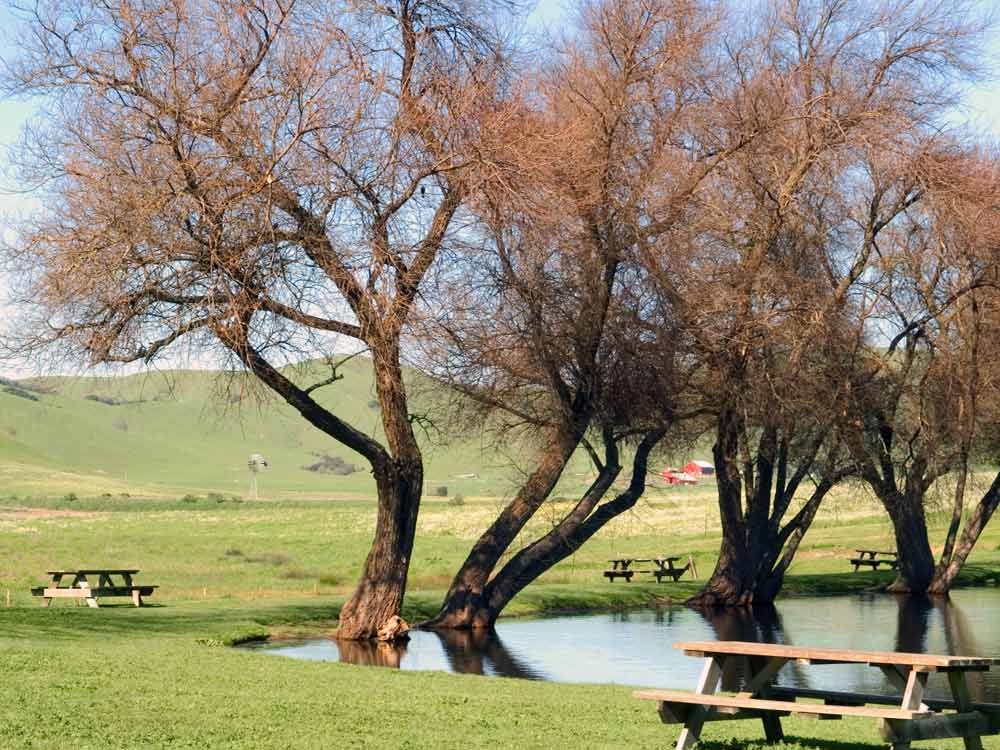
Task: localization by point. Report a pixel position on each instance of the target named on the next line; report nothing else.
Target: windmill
(256, 463)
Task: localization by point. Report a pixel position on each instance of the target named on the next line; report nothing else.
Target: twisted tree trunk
(949, 568)
(586, 518)
(757, 548)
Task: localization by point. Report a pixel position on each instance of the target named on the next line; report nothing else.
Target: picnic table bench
(870, 557)
(907, 717)
(621, 567)
(92, 584)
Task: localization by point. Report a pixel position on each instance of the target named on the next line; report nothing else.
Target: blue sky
(982, 109)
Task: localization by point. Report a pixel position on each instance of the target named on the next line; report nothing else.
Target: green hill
(177, 432)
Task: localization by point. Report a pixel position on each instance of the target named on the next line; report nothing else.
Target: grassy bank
(158, 678)
(162, 676)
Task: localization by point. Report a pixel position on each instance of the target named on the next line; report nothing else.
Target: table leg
(56, 577)
(708, 683)
(963, 702)
(913, 691)
(760, 676)
(911, 684)
(81, 580)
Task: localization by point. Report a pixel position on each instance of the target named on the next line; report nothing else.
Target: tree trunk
(466, 604)
(946, 574)
(399, 480)
(913, 549)
(578, 526)
(379, 593)
(756, 548)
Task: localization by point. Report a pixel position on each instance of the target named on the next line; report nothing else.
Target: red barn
(700, 469)
(675, 476)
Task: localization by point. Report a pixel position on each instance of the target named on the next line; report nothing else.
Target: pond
(634, 648)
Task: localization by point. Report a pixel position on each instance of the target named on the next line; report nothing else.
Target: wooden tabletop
(831, 655)
(88, 571)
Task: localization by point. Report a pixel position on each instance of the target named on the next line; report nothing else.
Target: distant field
(216, 548)
(165, 434)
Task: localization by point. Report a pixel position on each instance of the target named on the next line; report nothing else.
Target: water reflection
(912, 622)
(372, 653)
(636, 648)
(483, 652)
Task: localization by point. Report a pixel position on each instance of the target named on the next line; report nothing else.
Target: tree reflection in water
(482, 652)
(372, 653)
(759, 624)
(466, 651)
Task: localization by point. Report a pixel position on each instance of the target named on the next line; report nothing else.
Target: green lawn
(156, 678)
(162, 676)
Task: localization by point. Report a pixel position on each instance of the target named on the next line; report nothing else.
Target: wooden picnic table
(92, 583)
(870, 557)
(907, 717)
(621, 567)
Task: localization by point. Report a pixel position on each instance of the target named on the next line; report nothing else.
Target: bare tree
(561, 336)
(844, 97)
(919, 402)
(255, 176)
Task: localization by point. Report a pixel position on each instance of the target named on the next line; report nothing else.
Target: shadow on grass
(789, 743)
(180, 620)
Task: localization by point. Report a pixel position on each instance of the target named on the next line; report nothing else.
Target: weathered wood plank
(95, 571)
(835, 656)
(837, 696)
(708, 683)
(963, 700)
(941, 726)
(677, 713)
(759, 704)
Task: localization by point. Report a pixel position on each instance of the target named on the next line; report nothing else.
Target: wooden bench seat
(84, 593)
(91, 595)
(611, 575)
(860, 699)
(717, 701)
(874, 564)
(675, 573)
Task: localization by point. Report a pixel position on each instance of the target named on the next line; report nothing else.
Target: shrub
(270, 558)
(330, 465)
(441, 491)
(14, 390)
(217, 496)
(189, 499)
(106, 400)
(233, 552)
(456, 499)
(330, 579)
(70, 497)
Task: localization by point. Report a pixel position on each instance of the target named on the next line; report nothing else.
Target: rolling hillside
(193, 431)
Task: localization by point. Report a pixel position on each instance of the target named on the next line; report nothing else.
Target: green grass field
(162, 676)
(161, 486)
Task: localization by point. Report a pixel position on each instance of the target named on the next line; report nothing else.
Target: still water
(634, 648)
